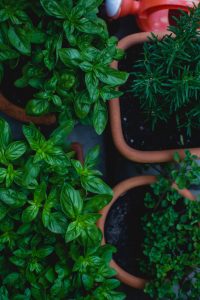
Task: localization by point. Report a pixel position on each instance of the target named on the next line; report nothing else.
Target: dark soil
(137, 128)
(18, 96)
(124, 230)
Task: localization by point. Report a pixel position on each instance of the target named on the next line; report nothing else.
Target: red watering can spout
(152, 15)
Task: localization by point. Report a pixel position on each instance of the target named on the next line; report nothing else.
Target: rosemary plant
(166, 79)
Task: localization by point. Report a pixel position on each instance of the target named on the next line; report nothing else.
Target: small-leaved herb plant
(166, 79)
(50, 246)
(172, 234)
(64, 51)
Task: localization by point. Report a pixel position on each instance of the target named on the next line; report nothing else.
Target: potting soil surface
(124, 230)
(137, 129)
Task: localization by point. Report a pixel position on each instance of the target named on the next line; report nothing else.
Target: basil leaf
(95, 185)
(15, 150)
(7, 53)
(19, 40)
(73, 231)
(71, 201)
(12, 197)
(92, 83)
(33, 136)
(53, 8)
(111, 76)
(97, 202)
(91, 157)
(37, 107)
(56, 222)
(100, 117)
(70, 56)
(59, 135)
(5, 134)
(30, 213)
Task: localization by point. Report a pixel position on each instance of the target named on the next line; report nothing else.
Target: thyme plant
(172, 234)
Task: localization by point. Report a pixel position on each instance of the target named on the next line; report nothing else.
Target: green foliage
(166, 78)
(172, 234)
(50, 246)
(64, 50)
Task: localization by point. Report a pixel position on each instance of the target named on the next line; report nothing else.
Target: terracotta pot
(119, 190)
(115, 115)
(19, 113)
(76, 147)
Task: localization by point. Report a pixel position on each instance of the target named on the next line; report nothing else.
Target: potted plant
(58, 53)
(170, 260)
(50, 245)
(164, 94)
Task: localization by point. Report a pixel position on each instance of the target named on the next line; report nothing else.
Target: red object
(77, 148)
(151, 15)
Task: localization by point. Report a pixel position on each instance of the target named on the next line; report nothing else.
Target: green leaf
(7, 53)
(12, 197)
(3, 211)
(73, 231)
(40, 193)
(5, 134)
(108, 93)
(37, 36)
(19, 40)
(60, 134)
(95, 185)
(82, 104)
(88, 281)
(15, 150)
(56, 222)
(53, 8)
(37, 107)
(100, 117)
(111, 76)
(77, 166)
(70, 56)
(34, 137)
(71, 201)
(11, 279)
(30, 213)
(44, 251)
(91, 157)
(92, 83)
(3, 173)
(97, 202)
(4, 15)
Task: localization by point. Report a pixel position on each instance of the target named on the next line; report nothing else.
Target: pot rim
(140, 156)
(18, 113)
(119, 190)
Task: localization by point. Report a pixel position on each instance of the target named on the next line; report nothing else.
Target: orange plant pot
(119, 190)
(151, 15)
(19, 113)
(115, 115)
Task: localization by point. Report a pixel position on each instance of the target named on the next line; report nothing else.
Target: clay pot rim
(119, 190)
(19, 113)
(141, 156)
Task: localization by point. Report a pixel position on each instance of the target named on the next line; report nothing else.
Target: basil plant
(50, 246)
(62, 50)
